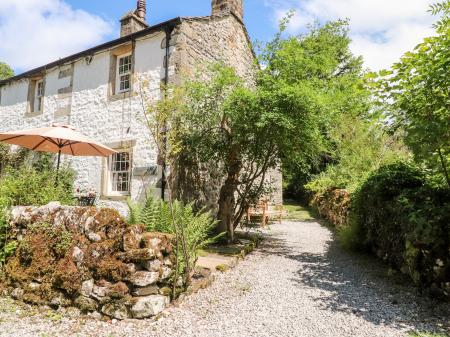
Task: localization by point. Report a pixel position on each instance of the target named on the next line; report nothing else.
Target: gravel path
(299, 284)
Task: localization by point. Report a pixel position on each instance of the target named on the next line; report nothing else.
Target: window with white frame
(119, 173)
(38, 96)
(123, 82)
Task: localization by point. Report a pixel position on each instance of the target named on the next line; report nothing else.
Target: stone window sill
(118, 97)
(33, 114)
(115, 197)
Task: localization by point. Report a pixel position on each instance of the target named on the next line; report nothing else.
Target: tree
(223, 127)
(5, 71)
(417, 92)
(361, 147)
(321, 62)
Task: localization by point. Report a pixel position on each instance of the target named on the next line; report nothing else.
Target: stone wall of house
(199, 42)
(221, 38)
(90, 259)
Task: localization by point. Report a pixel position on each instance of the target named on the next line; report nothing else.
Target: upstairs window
(123, 82)
(36, 93)
(39, 96)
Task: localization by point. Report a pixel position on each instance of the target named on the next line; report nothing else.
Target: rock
(138, 255)
(149, 306)
(60, 300)
(95, 315)
(87, 287)
(132, 239)
(33, 286)
(131, 267)
(95, 254)
(165, 273)
(166, 291)
(50, 208)
(73, 312)
(86, 303)
(88, 223)
(94, 237)
(144, 278)
(150, 241)
(99, 293)
(152, 265)
(157, 241)
(115, 310)
(77, 255)
(145, 291)
(118, 290)
(17, 293)
(168, 262)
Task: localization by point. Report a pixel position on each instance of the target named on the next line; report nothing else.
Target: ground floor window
(119, 173)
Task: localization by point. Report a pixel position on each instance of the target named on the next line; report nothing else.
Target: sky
(36, 32)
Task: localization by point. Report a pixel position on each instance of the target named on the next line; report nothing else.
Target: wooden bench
(262, 214)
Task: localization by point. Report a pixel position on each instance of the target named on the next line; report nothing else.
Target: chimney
(221, 7)
(133, 22)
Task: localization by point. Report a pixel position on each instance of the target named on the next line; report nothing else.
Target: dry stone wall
(88, 258)
(334, 205)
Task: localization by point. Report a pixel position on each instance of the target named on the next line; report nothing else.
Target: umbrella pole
(57, 168)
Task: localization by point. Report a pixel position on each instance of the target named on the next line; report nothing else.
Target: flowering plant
(86, 192)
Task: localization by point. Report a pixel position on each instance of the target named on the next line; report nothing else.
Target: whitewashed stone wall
(107, 121)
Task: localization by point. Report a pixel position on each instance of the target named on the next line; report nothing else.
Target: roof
(161, 26)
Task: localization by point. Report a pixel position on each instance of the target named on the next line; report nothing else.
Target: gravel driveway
(299, 283)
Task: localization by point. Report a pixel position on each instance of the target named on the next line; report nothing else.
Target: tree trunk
(226, 208)
(444, 167)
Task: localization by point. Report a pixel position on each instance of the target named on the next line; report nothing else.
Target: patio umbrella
(60, 139)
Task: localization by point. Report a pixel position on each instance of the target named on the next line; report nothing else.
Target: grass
(295, 211)
(426, 334)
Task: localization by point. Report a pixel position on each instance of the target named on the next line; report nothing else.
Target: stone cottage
(99, 92)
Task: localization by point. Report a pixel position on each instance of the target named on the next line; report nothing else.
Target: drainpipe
(168, 31)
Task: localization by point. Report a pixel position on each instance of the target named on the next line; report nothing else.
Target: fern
(134, 212)
(195, 228)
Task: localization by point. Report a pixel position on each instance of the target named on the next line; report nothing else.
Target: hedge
(406, 223)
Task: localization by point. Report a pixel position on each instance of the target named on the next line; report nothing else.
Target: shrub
(406, 222)
(30, 186)
(195, 229)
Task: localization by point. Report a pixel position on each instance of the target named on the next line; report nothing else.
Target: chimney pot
(141, 9)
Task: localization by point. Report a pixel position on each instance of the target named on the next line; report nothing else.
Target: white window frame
(122, 72)
(39, 93)
(111, 172)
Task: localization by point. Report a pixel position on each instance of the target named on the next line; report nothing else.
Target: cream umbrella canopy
(60, 139)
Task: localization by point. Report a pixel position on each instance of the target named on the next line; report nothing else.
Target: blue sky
(36, 32)
(258, 16)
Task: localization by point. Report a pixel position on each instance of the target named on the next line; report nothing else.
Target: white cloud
(36, 32)
(381, 30)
